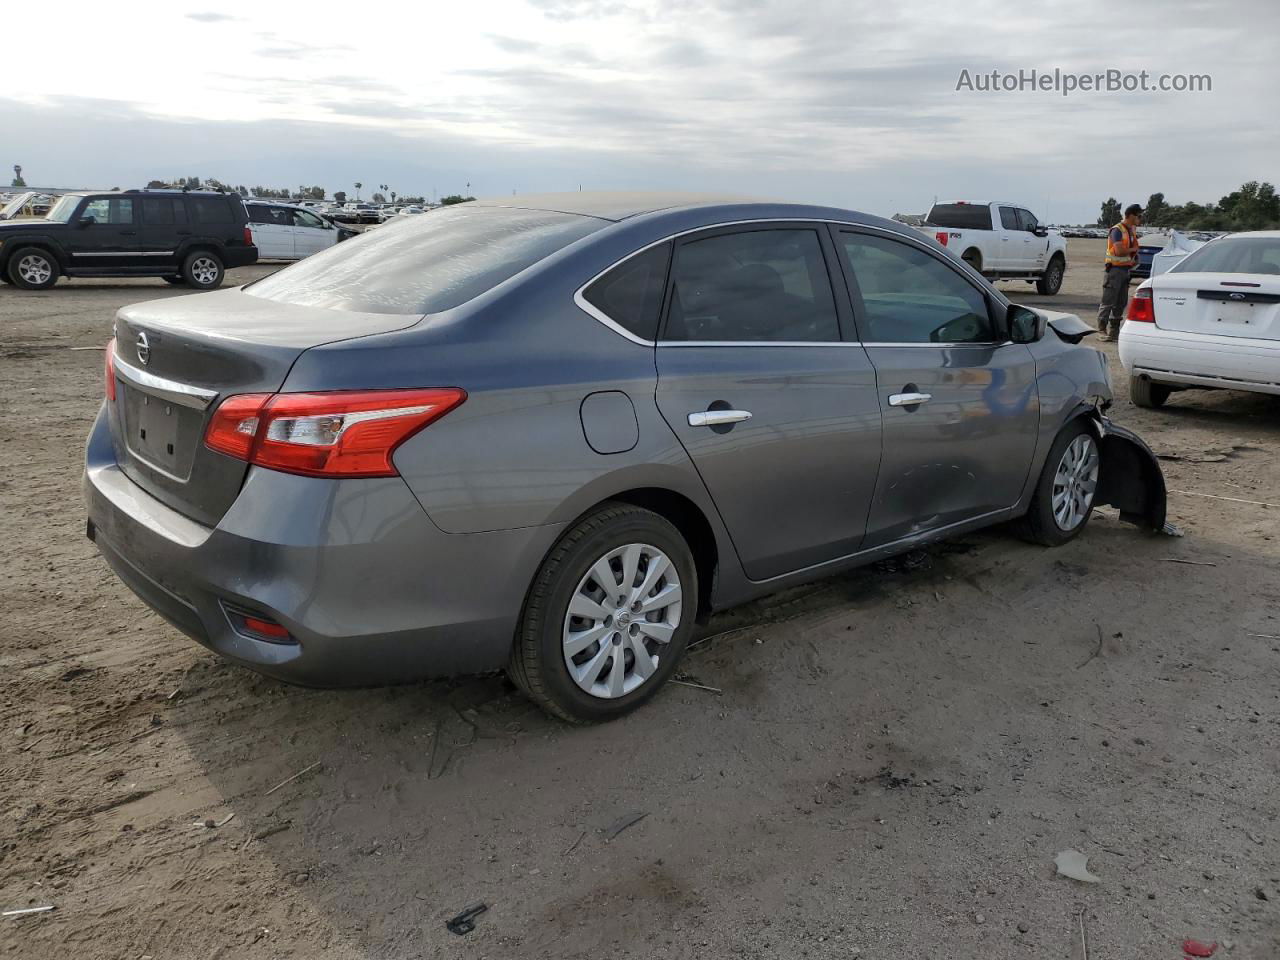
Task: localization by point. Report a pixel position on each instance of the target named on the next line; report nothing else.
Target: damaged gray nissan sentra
(547, 434)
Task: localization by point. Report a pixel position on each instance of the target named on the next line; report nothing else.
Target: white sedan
(1212, 321)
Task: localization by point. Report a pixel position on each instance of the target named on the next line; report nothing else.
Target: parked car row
(549, 437)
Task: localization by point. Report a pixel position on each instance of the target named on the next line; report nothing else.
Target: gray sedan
(548, 434)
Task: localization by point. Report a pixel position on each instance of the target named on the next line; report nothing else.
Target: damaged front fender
(1129, 477)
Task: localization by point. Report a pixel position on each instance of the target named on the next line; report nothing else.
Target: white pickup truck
(1002, 241)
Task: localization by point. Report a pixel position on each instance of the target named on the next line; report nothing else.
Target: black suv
(182, 236)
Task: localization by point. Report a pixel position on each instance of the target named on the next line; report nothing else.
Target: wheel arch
(683, 514)
(40, 243)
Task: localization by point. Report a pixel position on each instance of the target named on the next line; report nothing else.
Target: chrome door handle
(909, 399)
(714, 418)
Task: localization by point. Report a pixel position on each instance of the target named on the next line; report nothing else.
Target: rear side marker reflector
(341, 434)
(255, 626)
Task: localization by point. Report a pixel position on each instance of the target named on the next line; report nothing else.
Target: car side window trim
(998, 300)
(994, 300)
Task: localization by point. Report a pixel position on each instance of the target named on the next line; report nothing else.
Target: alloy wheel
(1075, 482)
(623, 613)
(35, 269)
(204, 270)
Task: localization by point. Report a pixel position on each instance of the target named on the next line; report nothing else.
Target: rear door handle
(714, 418)
(128, 233)
(909, 399)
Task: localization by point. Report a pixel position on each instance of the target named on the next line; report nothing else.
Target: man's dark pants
(1115, 295)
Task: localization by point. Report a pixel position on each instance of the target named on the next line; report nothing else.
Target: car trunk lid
(1232, 305)
(177, 358)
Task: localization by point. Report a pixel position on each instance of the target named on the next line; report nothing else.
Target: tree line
(301, 192)
(1255, 206)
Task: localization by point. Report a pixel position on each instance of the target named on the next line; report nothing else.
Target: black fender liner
(1130, 478)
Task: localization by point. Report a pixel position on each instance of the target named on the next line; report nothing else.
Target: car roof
(623, 205)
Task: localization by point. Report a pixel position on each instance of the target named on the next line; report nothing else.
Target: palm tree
(358, 186)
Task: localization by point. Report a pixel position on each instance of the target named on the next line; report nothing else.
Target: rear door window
(910, 296)
(630, 294)
(426, 264)
(752, 286)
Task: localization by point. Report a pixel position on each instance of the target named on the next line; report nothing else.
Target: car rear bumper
(1200, 359)
(370, 590)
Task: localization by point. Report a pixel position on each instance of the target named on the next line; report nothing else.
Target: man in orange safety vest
(1122, 257)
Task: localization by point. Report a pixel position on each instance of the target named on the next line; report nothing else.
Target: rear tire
(31, 268)
(1063, 499)
(973, 258)
(1050, 282)
(614, 625)
(1145, 392)
(203, 270)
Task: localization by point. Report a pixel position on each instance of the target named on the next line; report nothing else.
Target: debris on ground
(622, 823)
(1194, 948)
(1193, 563)
(285, 783)
(1096, 650)
(1074, 864)
(465, 922)
(26, 910)
(686, 681)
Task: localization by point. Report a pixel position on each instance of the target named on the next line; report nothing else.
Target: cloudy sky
(840, 101)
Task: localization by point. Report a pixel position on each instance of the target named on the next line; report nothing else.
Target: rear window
(211, 210)
(426, 264)
(961, 216)
(1234, 255)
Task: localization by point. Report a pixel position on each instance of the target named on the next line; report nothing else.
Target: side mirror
(88, 221)
(1024, 324)
(1040, 231)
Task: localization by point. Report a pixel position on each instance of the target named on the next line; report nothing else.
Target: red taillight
(941, 237)
(111, 369)
(248, 236)
(1142, 308)
(235, 425)
(345, 434)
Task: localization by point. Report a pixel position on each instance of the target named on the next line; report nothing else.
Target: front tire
(32, 268)
(1063, 498)
(1050, 282)
(203, 270)
(1145, 392)
(607, 617)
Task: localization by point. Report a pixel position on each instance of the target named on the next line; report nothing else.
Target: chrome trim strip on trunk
(182, 394)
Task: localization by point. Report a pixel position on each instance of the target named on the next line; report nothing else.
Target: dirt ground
(895, 760)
